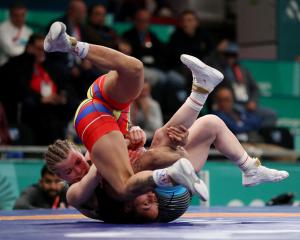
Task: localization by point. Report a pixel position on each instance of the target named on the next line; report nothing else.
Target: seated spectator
(14, 34)
(147, 47)
(5, 138)
(74, 18)
(161, 8)
(29, 80)
(240, 80)
(240, 121)
(188, 38)
(146, 112)
(152, 52)
(48, 193)
(129, 8)
(247, 127)
(80, 73)
(158, 8)
(96, 31)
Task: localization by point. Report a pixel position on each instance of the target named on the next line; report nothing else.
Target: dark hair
(186, 12)
(34, 37)
(112, 211)
(16, 5)
(72, 2)
(93, 6)
(45, 170)
(222, 87)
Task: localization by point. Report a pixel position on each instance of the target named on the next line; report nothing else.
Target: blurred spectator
(158, 8)
(161, 8)
(150, 50)
(48, 193)
(14, 33)
(247, 127)
(146, 112)
(30, 80)
(188, 38)
(146, 46)
(129, 9)
(240, 121)
(80, 73)
(96, 31)
(4, 130)
(74, 18)
(240, 80)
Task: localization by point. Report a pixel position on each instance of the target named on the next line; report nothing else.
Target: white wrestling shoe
(263, 174)
(204, 76)
(183, 173)
(57, 40)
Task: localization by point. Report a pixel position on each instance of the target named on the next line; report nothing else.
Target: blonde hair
(57, 153)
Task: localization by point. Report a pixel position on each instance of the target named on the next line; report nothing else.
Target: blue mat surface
(216, 223)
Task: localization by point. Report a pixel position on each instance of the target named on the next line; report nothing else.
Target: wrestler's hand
(136, 137)
(182, 152)
(178, 135)
(95, 173)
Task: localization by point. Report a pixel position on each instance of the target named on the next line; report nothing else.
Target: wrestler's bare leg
(125, 82)
(210, 129)
(109, 153)
(205, 79)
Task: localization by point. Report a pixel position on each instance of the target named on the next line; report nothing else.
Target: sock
(246, 163)
(81, 49)
(161, 178)
(196, 100)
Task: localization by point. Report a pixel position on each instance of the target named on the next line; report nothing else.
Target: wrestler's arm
(88, 208)
(158, 157)
(171, 136)
(80, 192)
(164, 154)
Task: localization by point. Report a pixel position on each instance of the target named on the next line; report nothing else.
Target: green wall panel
(225, 182)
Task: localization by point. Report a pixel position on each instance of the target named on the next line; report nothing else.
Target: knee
(137, 67)
(213, 122)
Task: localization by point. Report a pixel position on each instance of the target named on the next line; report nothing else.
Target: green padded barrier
(16, 176)
(39, 20)
(226, 184)
(3, 14)
(163, 32)
(276, 77)
(279, 83)
(288, 35)
(120, 28)
(224, 177)
(285, 106)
